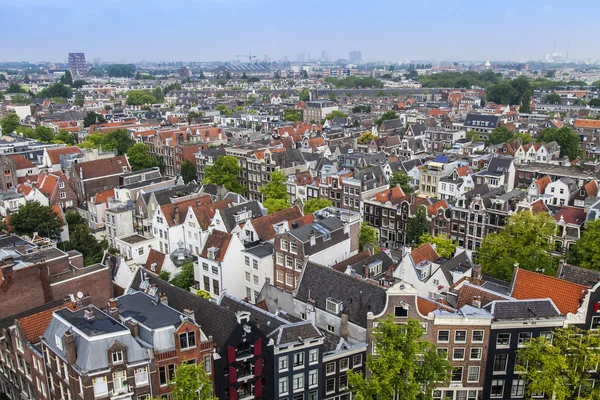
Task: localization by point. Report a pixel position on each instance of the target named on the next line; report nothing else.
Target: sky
(216, 30)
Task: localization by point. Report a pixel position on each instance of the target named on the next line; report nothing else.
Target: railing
(165, 355)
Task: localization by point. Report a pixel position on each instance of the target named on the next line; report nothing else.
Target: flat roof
(99, 324)
(148, 312)
(133, 239)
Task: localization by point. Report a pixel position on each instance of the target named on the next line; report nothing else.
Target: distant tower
(77, 64)
(355, 57)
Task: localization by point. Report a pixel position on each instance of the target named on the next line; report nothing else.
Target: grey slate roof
(357, 296)
(523, 309)
(228, 214)
(482, 121)
(140, 307)
(575, 274)
(164, 196)
(363, 265)
(295, 332)
(460, 262)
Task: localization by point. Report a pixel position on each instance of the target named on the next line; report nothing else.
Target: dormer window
(58, 342)
(333, 306)
(212, 253)
(117, 357)
(187, 340)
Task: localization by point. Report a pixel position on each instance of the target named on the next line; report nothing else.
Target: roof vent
(88, 314)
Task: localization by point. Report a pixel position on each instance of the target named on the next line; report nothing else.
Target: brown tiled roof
(220, 240)
(425, 306)
(21, 162)
(341, 266)
(591, 188)
(393, 195)
(433, 209)
(313, 143)
(103, 197)
(587, 123)
(464, 170)
(307, 219)
(102, 167)
(34, 326)
(54, 154)
(571, 215)
(542, 183)
(168, 210)
(425, 252)
(157, 257)
(470, 290)
(539, 206)
(264, 225)
(205, 213)
(46, 184)
(566, 296)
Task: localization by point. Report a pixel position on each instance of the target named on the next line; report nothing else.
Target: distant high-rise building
(77, 64)
(325, 55)
(355, 56)
(185, 72)
(300, 57)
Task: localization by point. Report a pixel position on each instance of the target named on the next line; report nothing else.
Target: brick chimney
(163, 299)
(113, 310)
(344, 326)
(189, 313)
(69, 341)
(134, 328)
(176, 214)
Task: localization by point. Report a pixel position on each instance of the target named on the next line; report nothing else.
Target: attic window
(333, 306)
(401, 311)
(212, 253)
(375, 268)
(58, 342)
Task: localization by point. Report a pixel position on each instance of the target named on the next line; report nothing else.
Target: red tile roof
(54, 154)
(205, 213)
(307, 219)
(102, 167)
(182, 206)
(542, 183)
(464, 170)
(566, 296)
(423, 253)
(571, 215)
(157, 257)
(103, 197)
(539, 206)
(341, 266)
(587, 123)
(220, 240)
(433, 209)
(264, 225)
(425, 306)
(21, 162)
(591, 188)
(393, 195)
(34, 326)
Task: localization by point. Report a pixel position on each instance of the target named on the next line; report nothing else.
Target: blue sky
(205, 30)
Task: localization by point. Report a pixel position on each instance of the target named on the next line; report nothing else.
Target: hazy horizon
(216, 30)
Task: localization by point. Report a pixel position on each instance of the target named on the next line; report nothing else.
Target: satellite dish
(79, 295)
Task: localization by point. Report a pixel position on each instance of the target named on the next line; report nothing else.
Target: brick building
(92, 177)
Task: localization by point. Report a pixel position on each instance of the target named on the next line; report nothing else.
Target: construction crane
(249, 55)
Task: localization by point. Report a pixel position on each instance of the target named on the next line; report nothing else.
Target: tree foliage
(354, 82)
(15, 88)
(188, 171)
(139, 157)
(35, 217)
(139, 97)
(586, 251)
(67, 78)
(594, 102)
(552, 98)
(292, 115)
(316, 204)
(275, 193)
(191, 382)
(55, 90)
(92, 118)
(9, 123)
(366, 137)
(386, 116)
(225, 172)
(524, 240)
(66, 137)
(444, 246)
(460, 79)
(401, 178)
(83, 241)
(567, 139)
(503, 93)
(337, 114)
(406, 366)
(500, 135)
(121, 70)
(417, 225)
(367, 235)
(119, 140)
(562, 367)
(185, 277)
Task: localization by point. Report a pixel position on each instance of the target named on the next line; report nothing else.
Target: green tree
(191, 382)
(188, 171)
(586, 251)
(552, 98)
(386, 116)
(333, 97)
(185, 277)
(121, 70)
(366, 137)
(78, 99)
(304, 95)
(523, 136)
(67, 78)
(417, 225)
(225, 172)
(9, 123)
(44, 134)
(444, 246)
(78, 84)
(380, 93)
(55, 90)
(526, 102)
(361, 109)
(224, 110)
(275, 193)
(64, 136)
(401, 178)
(473, 136)
(244, 76)
(594, 102)
(503, 93)
(90, 118)
(562, 367)
(20, 99)
(499, 135)
(139, 97)
(337, 114)
(204, 294)
(158, 94)
(34, 217)
(405, 367)
(367, 235)
(567, 139)
(119, 140)
(316, 204)
(524, 240)
(15, 88)
(82, 240)
(164, 275)
(292, 115)
(139, 157)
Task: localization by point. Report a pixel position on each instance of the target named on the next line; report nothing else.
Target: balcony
(121, 393)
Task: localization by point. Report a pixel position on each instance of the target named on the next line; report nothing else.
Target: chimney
(88, 314)
(477, 271)
(477, 301)
(134, 328)
(69, 341)
(163, 299)
(113, 310)
(176, 214)
(189, 313)
(257, 323)
(345, 326)
(313, 240)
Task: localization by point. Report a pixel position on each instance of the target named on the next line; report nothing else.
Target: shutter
(232, 375)
(596, 306)
(258, 367)
(233, 394)
(230, 354)
(258, 388)
(258, 347)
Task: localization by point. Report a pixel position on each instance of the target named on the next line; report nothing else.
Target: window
(187, 340)
(477, 337)
(330, 368)
(298, 264)
(298, 359)
(216, 289)
(205, 266)
(330, 328)
(247, 261)
(400, 312)
(294, 247)
(330, 385)
(207, 365)
(100, 386)
(357, 361)
(548, 335)
(503, 340)
(283, 363)
(443, 352)
(332, 306)
(460, 336)
(280, 276)
(289, 262)
(518, 388)
(283, 244)
(313, 378)
(473, 374)
(289, 279)
(247, 276)
(476, 353)
(279, 257)
(255, 264)
(255, 279)
(298, 382)
(500, 361)
(61, 185)
(457, 374)
(443, 336)
(165, 374)
(117, 357)
(458, 354)
(63, 195)
(313, 356)
(497, 388)
(344, 364)
(283, 386)
(119, 380)
(343, 382)
(523, 338)
(215, 269)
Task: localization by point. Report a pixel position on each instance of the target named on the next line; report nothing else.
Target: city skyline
(392, 31)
